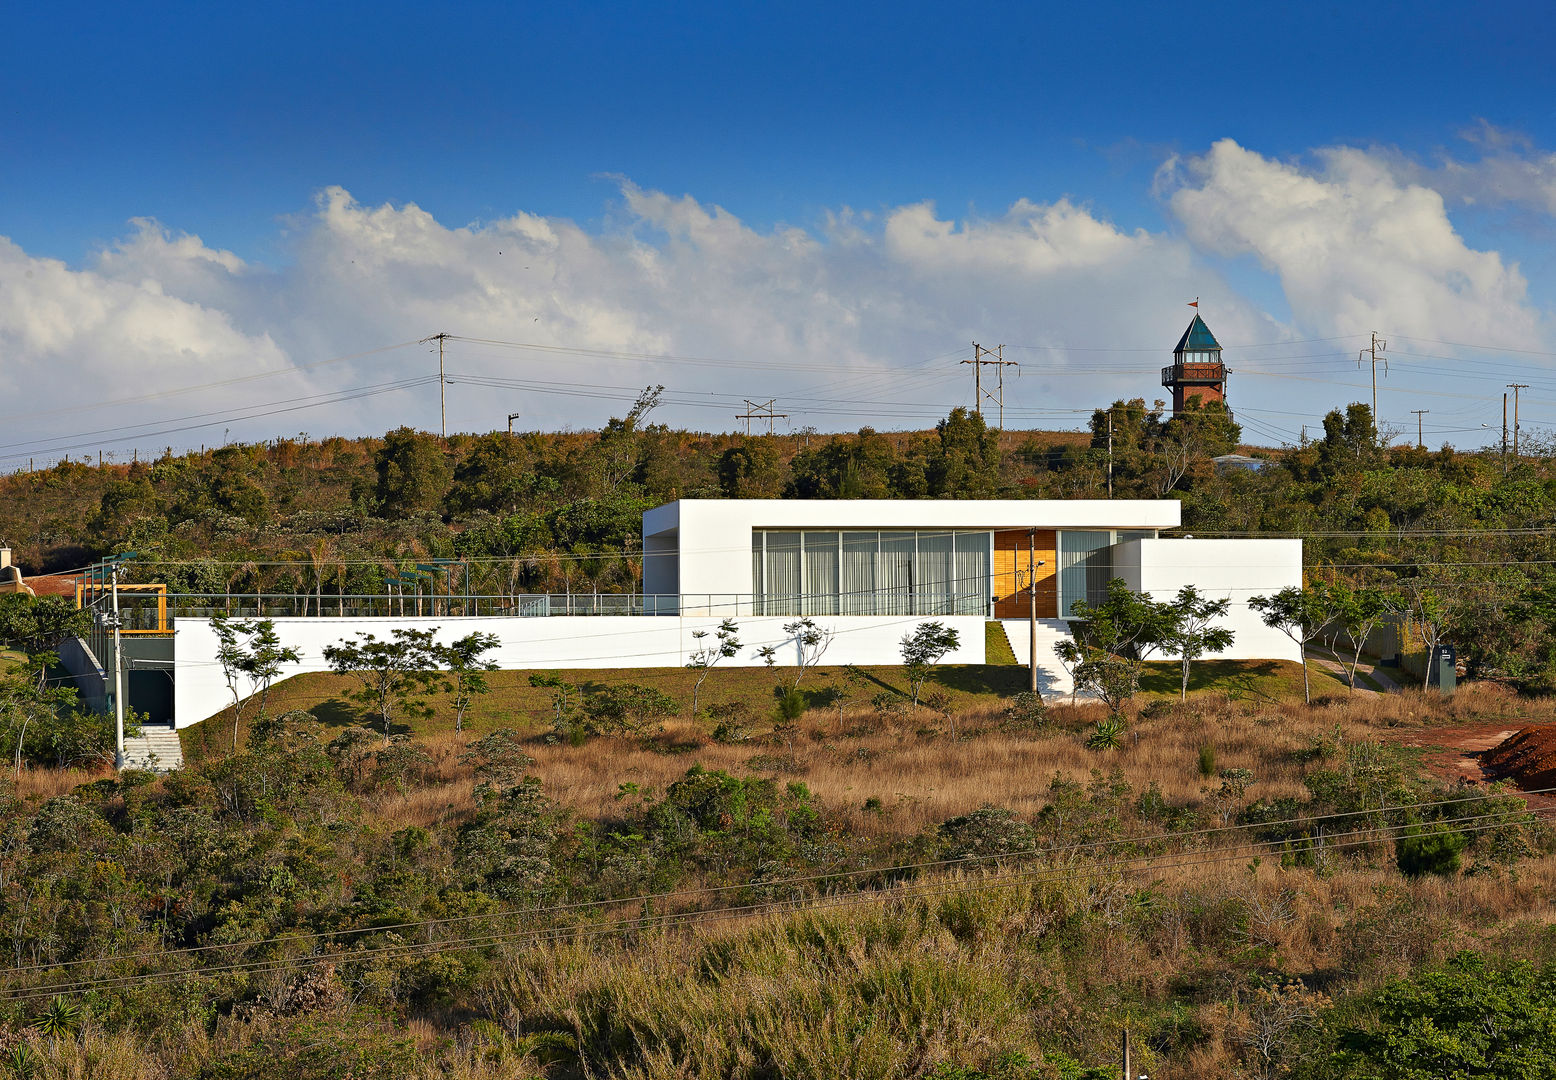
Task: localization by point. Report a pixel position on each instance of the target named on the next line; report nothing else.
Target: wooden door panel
(1012, 593)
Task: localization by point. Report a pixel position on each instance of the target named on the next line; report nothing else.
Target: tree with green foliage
(1299, 613)
(1428, 611)
(925, 647)
(965, 462)
(1110, 641)
(1471, 1020)
(1193, 630)
(249, 652)
(751, 470)
(37, 625)
(1359, 610)
(413, 473)
(29, 703)
(391, 674)
(627, 709)
(462, 670)
(724, 646)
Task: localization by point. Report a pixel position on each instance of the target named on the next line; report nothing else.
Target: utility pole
(511, 418)
(1110, 451)
(1420, 443)
(118, 680)
(440, 338)
(1372, 351)
(760, 411)
(1504, 432)
(1514, 387)
(999, 364)
(1032, 604)
(1124, 1049)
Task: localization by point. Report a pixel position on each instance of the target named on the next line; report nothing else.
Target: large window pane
(894, 574)
(1084, 567)
(936, 573)
(781, 595)
(821, 566)
(972, 574)
(858, 577)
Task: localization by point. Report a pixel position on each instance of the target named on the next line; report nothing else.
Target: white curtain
(860, 550)
(894, 574)
(781, 592)
(973, 586)
(821, 566)
(1084, 567)
(935, 580)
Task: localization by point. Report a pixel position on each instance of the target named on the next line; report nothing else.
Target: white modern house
(867, 571)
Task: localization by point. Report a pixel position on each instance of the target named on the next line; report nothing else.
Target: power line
(1173, 860)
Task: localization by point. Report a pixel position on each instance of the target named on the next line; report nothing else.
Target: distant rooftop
(1198, 338)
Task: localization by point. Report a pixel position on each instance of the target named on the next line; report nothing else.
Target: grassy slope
(514, 703)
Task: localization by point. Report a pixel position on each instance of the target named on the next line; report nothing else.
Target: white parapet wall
(1236, 570)
(617, 642)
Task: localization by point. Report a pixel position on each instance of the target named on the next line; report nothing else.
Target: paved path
(1378, 674)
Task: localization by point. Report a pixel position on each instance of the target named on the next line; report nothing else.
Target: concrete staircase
(156, 748)
(1052, 679)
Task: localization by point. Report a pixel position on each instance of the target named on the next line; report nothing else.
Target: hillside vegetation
(561, 511)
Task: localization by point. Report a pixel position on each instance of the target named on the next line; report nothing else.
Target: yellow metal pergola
(159, 591)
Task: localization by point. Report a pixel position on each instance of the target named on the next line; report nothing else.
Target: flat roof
(978, 514)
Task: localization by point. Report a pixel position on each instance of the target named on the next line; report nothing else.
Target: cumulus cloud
(857, 318)
(1355, 247)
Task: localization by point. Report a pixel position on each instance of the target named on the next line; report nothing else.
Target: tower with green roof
(1196, 372)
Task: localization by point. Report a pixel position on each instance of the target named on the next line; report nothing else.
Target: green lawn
(514, 703)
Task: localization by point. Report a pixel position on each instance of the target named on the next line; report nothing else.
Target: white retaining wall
(607, 641)
(1234, 569)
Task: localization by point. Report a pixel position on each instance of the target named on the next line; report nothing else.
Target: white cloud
(1355, 247)
(839, 321)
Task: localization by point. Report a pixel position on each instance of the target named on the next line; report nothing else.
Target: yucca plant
(1107, 735)
(61, 1019)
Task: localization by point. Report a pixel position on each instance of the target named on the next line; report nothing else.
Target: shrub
(988, 831)
(627, 708)
(1107, 735)
(1207, 760)
(1419, 852)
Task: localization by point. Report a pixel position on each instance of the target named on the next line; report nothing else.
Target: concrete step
(1052, 679)
(157, 749)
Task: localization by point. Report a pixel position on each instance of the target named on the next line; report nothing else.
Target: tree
(923, 649)
(811, 641)
(412, 473)
(726, 644)
(391, 673)
(250, 651)
(466, 670)
(1359, 611)
(27, 699)
(1111, 640)
(38, 625)
(1471, 1020)
(1300, 614)
(627, 708)
(1193, 631)
(1424, 608)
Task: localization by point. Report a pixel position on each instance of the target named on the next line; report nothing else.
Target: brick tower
(1197, 370)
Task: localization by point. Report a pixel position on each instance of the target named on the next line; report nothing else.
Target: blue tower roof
(1198, 338)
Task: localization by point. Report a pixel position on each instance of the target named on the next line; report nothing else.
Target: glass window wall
(828, 572)
(1086, 563)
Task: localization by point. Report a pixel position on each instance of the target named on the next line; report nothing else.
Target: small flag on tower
(1194, 303)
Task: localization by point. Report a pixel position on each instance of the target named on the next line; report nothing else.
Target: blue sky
(637, 124)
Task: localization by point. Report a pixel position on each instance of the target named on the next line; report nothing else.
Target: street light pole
(118, 680)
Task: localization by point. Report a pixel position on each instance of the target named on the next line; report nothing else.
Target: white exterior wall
(621, 641)
(1234, 569)
(712, 537)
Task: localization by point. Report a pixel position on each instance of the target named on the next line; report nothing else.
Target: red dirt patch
(1528, 757)
(1458, 752)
